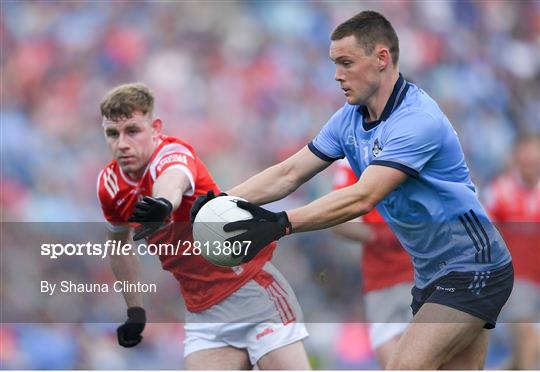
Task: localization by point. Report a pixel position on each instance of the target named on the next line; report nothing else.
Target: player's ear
(383, 57)
(157, 124)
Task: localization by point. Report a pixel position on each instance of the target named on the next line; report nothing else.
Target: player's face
(132, 141)
(358, 74)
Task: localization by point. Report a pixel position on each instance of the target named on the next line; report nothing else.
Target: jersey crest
(376, 148)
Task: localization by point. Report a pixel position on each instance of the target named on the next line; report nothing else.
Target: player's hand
(200, 201)
(151, 213)
(264, 228)
(129, 333)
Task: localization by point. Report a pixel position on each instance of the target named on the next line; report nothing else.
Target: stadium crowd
(247, 83)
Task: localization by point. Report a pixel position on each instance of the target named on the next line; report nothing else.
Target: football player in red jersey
(237, 317)
(386, 271)
(513, 201)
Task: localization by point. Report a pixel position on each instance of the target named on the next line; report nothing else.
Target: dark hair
(121, 102)
(369, 28)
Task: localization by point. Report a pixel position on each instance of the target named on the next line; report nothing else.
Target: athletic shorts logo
(265, 332)
(439, 288)
(479, 281)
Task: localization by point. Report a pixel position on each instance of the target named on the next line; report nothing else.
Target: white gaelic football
(208, 232)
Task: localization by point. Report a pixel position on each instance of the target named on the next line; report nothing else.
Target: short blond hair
(122, 101)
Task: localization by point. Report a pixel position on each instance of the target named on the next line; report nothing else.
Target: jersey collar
(398, 93)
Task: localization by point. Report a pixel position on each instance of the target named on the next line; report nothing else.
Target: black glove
(264, 228)
(200, 201)
(151, 213)
(129, 333)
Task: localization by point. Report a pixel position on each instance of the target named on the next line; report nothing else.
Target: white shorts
(261, 316)
(389, 312)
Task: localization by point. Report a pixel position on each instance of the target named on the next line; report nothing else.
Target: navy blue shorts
(481, 294)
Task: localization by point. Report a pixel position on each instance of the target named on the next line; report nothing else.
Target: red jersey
(384, 262)
(515, 208)
(202, 284)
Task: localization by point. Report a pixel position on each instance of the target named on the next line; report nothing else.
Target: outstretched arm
(350, 202)
(152, 212)
(171, 185)
(337, 207)
(127, 268)
(280, 180)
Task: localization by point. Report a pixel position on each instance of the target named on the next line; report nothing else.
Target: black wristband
(169, 204)
(136, 314)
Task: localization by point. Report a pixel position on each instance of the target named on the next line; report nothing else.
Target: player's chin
(352, 100)
(129, 168)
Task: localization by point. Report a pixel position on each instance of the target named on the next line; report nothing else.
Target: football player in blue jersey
(412, 169)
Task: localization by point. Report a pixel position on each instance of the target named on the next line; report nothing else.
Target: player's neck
(137, 176)
(377, 103)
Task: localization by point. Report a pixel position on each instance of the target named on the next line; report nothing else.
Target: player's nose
(122, 143)
(339, 76)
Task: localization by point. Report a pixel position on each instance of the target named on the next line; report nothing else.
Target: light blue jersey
(435, 213)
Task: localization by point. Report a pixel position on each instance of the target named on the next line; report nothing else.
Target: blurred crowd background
(247, 83)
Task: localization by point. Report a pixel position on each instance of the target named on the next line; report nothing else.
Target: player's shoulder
(110, 170)
(173, 152)
(108, 181)
(419, 104)
(170, 144)
(420, 114)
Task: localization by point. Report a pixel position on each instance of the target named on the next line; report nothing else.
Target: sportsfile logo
(439, 288)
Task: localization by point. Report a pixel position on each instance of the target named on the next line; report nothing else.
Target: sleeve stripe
(319, 154)
(110, 181)
(114, 180)
(405, 169)
(168, 150)
(174, 147)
